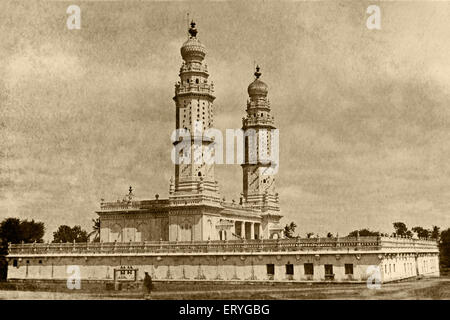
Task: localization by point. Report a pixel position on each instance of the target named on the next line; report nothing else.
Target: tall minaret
(194, 113)
(258, 174)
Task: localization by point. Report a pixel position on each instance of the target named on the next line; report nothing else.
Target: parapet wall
(280, 245)
(319, 259)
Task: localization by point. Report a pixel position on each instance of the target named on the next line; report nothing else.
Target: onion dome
(193, 49)
(257, 87)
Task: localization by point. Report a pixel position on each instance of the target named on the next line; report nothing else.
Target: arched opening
(116, 233)
(142, 233)
(186, 231)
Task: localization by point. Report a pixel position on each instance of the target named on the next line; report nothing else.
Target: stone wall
(326, 259)
(235, 267)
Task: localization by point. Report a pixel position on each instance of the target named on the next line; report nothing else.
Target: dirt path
(423, 289)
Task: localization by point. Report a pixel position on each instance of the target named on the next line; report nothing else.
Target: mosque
(195, 210)
(195, 235)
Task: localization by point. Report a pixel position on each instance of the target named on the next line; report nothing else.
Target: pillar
(243, 230)
(252, 230)
(236, 228)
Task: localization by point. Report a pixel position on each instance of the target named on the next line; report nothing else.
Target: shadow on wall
(3, 268)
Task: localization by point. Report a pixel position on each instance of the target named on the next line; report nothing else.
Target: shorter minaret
(260, 131)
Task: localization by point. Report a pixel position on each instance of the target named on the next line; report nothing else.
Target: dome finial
(192, 29)
(257, 73)
(257, 87)
(192, 49)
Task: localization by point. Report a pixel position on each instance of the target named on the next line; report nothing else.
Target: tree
(95, 230)
(10, 230)
(15, 231)
(444, 248)
(422, 232)
(68, 234)
(32, 231)
(363, 233)
(289, 230)
(401, 230)
(435, 233)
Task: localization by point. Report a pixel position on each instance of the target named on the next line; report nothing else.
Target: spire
(130, 194)
(193, 30)
(257, 73)
(193, 49)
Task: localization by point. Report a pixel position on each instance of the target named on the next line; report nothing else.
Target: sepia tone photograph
(224, 150)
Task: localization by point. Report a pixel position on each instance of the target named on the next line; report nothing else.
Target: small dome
(193, 49)
(258, 87)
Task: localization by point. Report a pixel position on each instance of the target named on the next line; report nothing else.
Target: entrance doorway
(329, 275)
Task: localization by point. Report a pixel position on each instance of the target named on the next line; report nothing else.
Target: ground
(431, 288)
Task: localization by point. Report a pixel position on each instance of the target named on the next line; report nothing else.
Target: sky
(364, 115)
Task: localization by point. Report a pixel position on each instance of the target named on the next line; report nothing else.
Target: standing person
(148, 284)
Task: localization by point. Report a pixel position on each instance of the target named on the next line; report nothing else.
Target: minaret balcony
(252, 122)
(194, 88)
(194, 68)
(258, 104)
(195, 137)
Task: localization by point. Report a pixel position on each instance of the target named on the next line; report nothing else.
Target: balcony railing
(257, 121)
(204, 88)
(190, 67)
(133, 205)
(280, 245)
(122, 205)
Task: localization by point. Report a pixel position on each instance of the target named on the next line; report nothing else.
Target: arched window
(142, 233)
(115, 233)
(186, 231)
